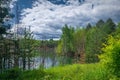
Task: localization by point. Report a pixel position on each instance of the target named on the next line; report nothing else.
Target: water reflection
(45, 62)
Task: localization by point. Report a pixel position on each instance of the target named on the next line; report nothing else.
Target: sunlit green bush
(111, 56)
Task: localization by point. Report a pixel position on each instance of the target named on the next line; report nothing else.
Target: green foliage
(27, 47)
(48, 43)
(12, 74)
(58, 50)
(109, 27)
(67, 39)
(95, 36)
(33, 75)
(88, 26)
(2, 30)
(111, 54)
(66, 45)
(3, 13)
(68, 72)
(78, 72)
(79, 43)
(93, 46)
(116, 34)
(100, 23)
(86, 42)
(18, 74)
(111, 57)
(52, 43)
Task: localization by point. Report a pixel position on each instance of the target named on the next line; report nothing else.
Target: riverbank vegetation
(67, 72)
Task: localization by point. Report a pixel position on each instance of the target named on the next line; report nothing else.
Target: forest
(82, 53)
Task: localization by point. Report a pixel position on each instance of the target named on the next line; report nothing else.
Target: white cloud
(45, 17)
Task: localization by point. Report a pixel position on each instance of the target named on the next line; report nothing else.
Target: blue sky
(47, 17)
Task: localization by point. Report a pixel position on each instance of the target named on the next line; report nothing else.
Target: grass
(67, 72)
(78, 72)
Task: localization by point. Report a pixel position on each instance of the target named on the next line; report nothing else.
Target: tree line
(84, 45)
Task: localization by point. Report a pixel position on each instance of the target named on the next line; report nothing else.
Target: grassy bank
(68, 72)
(78, 72)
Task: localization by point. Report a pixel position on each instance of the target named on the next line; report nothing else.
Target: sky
(47, 17)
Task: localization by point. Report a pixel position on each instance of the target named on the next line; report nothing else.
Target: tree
(116, 34)
(2, 31)
(94, 38)
(100, 23)
(4, 43)
(66, 45)
(67, 39)
(26, 47)
(109, 26)
(3, 13)
(110, 58)
(79, 44)
(88, 26)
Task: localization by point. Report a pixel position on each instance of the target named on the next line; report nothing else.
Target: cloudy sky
(47, 17)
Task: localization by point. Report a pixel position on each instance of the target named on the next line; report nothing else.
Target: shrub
(111, 56)
(12, 74)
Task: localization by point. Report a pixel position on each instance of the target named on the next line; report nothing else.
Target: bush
(12, 74)
(111, 57)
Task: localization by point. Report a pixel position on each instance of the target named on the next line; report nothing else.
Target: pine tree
(88, 26)
(109, 26)
(100, 23)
